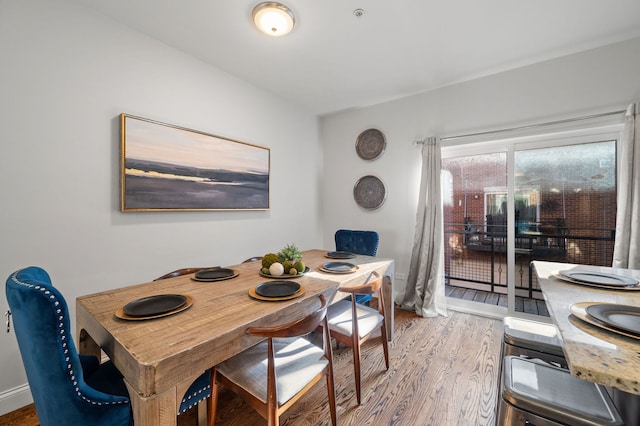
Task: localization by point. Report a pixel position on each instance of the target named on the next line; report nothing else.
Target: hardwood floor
(443, 371)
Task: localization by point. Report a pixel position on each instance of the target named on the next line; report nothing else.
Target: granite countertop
(593, 354)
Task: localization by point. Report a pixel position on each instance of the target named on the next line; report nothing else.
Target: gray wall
(66, 75)
(600, 80)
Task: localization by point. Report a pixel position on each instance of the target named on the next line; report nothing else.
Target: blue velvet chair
(68, 388)
(358, 242)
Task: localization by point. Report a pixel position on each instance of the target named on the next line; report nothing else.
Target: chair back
(54, 370)
(181, 272)
(369, 287)
(302, 365)
(357, 242)
(299, 327)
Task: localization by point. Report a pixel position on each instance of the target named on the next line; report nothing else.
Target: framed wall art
(168, 168)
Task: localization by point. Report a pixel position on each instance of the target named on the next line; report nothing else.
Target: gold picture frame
(164, 167)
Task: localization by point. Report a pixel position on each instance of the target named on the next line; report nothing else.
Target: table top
(593, 354)
(151, 354)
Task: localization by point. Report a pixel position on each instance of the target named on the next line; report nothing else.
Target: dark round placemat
(623, 317)
(370, 144)
(340, 255)
(154, 305)
(369, 192)
(277, 288)
(217, 273)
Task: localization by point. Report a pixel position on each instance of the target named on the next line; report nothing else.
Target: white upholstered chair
(352, 323)
(272, 375)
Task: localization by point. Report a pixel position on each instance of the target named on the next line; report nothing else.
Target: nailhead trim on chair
(63, 337)
(194, 395)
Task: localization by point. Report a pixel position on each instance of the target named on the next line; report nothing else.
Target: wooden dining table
(593, 353)
(160, 358)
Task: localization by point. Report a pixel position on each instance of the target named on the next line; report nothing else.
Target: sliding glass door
(509, 203)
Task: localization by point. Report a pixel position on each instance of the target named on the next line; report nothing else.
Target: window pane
(475, 236)
(577, 201)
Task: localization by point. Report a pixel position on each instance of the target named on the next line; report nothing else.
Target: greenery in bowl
(290, 257)
(290, 253)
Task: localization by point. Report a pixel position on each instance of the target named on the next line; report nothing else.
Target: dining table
(596, 350)
(160, 357)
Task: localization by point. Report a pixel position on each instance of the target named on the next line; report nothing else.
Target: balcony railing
(477, 259)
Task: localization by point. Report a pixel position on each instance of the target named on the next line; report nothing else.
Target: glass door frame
(462, 147)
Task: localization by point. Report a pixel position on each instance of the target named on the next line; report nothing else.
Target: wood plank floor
(443, 371)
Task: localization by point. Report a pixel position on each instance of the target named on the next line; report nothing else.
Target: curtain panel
(626, 252)
(425, 284)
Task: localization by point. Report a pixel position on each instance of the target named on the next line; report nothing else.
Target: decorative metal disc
(370, 144)
(369, 192)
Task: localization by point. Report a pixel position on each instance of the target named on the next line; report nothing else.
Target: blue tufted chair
(68, 388)
(358, 242)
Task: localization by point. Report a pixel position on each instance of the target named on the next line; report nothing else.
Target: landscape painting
(166, 167)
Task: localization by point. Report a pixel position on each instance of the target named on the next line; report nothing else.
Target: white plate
(599, 278)
(600, 286)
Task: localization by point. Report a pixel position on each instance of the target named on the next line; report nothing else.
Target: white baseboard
(15, 398)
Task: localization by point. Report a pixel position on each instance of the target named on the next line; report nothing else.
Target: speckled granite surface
(593, 354)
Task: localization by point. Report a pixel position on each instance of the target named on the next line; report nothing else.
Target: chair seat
(297, 361)
(103, 377)
(106, 378)
(339, 318)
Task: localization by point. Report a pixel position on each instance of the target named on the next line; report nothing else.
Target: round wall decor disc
(369, 192)
(370, 144)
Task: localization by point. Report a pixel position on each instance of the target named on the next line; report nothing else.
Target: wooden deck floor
(523, 304)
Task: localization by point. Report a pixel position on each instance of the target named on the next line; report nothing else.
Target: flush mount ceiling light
(274, 19)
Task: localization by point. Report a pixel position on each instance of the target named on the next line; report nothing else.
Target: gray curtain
(626, 252)
(425, 285)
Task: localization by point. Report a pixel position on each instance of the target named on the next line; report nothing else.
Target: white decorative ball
(276, 269)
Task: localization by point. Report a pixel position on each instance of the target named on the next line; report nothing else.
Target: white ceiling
(333, 60)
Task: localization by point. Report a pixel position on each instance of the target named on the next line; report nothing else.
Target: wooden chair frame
(181, 272)
(353, 340)
(270, 409)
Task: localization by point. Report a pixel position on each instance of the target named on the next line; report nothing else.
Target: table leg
(88, 346)
(156, 410)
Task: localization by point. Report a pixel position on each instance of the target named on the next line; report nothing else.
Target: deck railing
(478, 259)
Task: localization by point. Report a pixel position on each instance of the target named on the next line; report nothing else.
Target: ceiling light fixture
(274, 19)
